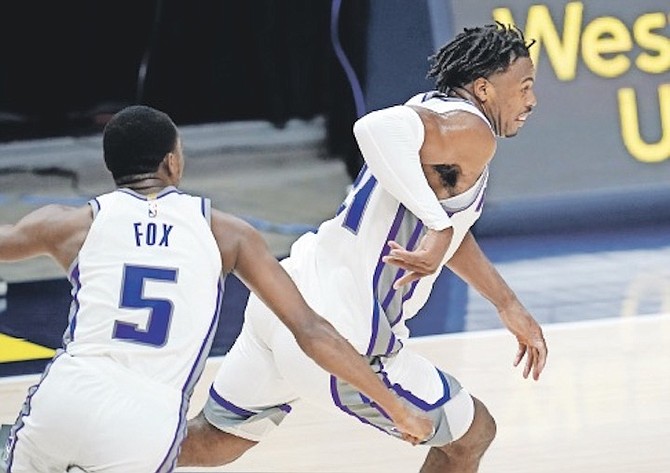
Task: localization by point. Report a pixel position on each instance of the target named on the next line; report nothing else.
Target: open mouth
(523, 117)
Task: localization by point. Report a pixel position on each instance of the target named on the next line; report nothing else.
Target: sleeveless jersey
(147, 286)
(340, 270)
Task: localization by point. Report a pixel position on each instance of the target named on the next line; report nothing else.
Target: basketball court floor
(603, 298)
(602, 405)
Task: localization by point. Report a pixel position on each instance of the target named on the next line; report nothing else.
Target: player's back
(147, 286)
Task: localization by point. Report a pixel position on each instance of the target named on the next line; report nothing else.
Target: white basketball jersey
(340, 269)
(147, 286)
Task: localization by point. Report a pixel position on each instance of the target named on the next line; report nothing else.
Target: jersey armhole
(95, 207)
(206, 209)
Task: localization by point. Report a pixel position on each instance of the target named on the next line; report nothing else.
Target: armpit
(449, 174)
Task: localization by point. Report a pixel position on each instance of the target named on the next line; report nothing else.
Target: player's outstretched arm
(28, 237)
(54, 230)
(471, 264)
(251, 260)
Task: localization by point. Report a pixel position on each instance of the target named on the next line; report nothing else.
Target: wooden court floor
(602, 405)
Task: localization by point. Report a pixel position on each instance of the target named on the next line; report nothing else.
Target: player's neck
(465, 94)
(143, 183)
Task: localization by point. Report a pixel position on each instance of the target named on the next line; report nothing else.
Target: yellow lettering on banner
(659, 62)
(606, 35)
(562, 51)
(605, 43)
(630, 126)
(16, 349)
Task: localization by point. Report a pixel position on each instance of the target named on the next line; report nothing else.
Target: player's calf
(464, 454)
(205, 445)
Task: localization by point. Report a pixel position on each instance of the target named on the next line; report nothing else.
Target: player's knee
(478, 436)
(484, 426)
(487, 424)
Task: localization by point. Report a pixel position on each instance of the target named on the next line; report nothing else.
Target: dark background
(65, 67)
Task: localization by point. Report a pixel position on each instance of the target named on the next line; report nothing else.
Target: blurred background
(266, 92)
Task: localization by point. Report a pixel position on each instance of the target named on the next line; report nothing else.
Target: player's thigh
(249, 396)
(90, 415)
(248, 375)
(307, 378)
(139, 429)
(411, 377)
(420, 383)
(39, 438)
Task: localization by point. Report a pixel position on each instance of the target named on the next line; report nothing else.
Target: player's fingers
(519, 354)
(399, 262)
(415, 261)
(402, 255)
(394, 245)
(541, 362)
(410, 438)
(530, 362)
(406, 279)
(398, 250)
(410, 263)
(406, 266)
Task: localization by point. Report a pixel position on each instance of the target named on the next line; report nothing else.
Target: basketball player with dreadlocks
(373, 266)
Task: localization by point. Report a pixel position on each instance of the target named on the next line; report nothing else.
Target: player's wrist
(398, 411)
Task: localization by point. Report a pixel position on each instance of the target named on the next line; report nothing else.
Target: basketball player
(411, 207)
(146, 264)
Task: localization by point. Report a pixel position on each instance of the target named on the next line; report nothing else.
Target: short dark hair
(477, 52)
(136, 140)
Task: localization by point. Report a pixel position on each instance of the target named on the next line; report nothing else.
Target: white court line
(554, 326)
(473, 334)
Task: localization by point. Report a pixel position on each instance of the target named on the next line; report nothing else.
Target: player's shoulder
(233, 236)
(55, 223)
(456, 129)
(228, 228)
(455, 125)
(229, 221)
(449, 112)
(59, 214)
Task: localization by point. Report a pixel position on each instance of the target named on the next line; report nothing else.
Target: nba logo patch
(153, 205)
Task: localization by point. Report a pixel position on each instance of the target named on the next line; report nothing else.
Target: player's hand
(413, 425)
(425, 259)
(528, 333)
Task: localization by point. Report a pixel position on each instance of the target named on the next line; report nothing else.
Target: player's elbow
(370, 124)
(316, 336)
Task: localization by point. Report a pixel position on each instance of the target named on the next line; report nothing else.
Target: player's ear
(481, 87)
(172, 163)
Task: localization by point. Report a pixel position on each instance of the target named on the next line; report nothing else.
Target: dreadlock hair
(136, 140)
(477, 52)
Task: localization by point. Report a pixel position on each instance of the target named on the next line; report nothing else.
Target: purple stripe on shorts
(338, 402)
(391, 344)
(229, 405)
(420, 403)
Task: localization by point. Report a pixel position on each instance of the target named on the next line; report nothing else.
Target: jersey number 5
(132, 297)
